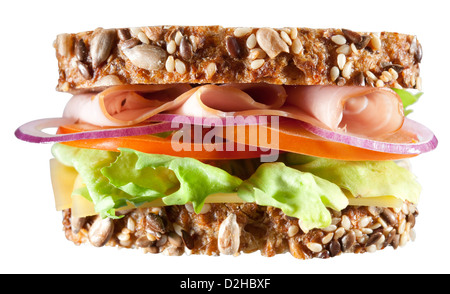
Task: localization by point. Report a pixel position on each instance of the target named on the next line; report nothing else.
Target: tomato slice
(245, 143)
(290, 137)
(157, 145)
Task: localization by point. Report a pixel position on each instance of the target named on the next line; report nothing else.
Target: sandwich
(223, 141)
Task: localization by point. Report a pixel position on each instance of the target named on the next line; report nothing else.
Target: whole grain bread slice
(235, 228)
(214, 54)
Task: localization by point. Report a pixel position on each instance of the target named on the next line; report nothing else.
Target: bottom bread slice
(232, 228)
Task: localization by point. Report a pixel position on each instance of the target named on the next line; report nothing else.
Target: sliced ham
(359, 110)
(233, 99)
(364, 111)
(125, 105)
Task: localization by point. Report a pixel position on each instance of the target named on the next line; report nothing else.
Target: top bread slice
(214, 54)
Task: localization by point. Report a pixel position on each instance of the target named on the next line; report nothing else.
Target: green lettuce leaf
(64, 153)
(150, 176)
(408, 99)
(366, 178)
(302, 186)
(142, 184)
(114, 179)
(88, 163)
(83, 191)
(296, 193)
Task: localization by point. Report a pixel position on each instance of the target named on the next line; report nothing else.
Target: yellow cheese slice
(63, 178)
(80, 205)
(383, 201)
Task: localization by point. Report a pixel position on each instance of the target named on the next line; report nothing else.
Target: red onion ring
(211, 121)
(427, 140)
(33, 131)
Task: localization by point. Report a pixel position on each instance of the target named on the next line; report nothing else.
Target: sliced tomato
(290, 137)
(287, 137)
(157, 145)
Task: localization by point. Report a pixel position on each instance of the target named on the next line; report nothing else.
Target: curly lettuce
(299, 194)
(301, 186)
(114, 179)
(408, 99)
(155, 175)
(362, 178)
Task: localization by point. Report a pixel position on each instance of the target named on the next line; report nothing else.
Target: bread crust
(214, 54)
(232, 229)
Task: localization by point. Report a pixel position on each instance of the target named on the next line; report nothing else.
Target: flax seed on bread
(214, 54)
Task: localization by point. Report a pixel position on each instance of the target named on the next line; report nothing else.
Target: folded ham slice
(125, 105)
(362, 111)
(358, 110)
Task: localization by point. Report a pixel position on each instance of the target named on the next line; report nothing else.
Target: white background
(31, 236)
